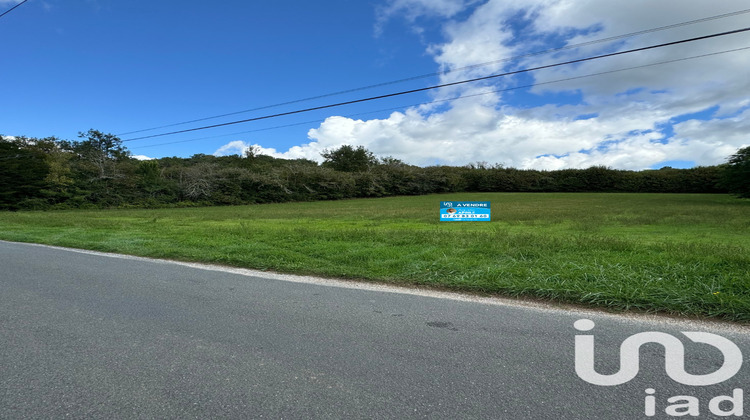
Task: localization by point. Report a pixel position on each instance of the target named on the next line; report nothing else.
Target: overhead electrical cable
(424, 89)
(423, 76)
(567, 79)
(11, 9)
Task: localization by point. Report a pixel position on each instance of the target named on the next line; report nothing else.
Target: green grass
(679, 254)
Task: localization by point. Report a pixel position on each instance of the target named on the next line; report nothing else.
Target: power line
(390, 95)
(423, 76)
(458, 97)
(9, 10)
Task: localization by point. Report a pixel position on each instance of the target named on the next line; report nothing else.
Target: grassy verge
(681, 254)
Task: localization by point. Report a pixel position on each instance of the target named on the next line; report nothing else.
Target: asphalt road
(103, 336)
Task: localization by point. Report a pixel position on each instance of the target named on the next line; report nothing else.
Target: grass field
(680, 254)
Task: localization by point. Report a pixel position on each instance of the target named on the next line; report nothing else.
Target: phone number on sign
(465, 216)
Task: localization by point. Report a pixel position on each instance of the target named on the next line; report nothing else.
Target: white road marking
(559, 308)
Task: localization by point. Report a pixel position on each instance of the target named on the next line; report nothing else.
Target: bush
(737, 173)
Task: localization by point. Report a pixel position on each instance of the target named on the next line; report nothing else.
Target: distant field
(681, 254)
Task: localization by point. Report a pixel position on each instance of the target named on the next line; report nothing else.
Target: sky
(122, 67)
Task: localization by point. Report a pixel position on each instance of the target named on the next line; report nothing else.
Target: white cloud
(238, 147)
(622, 118)
(717, 139)
(142, 157)
(412, 9)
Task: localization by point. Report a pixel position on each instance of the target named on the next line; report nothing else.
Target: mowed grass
(679, 254)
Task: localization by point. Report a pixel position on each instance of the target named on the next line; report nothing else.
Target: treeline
(98, 172)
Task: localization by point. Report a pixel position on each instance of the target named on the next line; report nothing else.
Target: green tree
(391, 161)
(252, 152)
(348, 159)
(23, 173)
(737, 173)
(102, 151)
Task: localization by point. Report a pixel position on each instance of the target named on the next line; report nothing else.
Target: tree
(252, 152)
(737, 173)
(348, 159)
(101, 150)
(23, 172)
(391, 161)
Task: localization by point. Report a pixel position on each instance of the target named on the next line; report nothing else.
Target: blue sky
(115, 66)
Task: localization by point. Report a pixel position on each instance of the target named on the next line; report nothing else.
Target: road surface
(87, 335)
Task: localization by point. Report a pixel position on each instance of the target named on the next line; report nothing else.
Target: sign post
(465, 211)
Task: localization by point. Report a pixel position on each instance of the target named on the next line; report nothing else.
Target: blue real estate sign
(464, 211)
